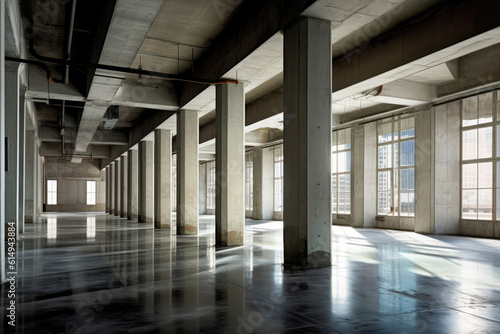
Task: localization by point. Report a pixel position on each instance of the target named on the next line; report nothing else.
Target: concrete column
(230, 165)
(29, 181)
(262, 183)
(447, 168)
(307, 143)
(12, 135)
(146, 182)
(2, 142)
(187, 172)
(424, 172)
(107, 189)
(132, 185)
(117, 182)
(21, 173)
(112, 202)
(364, 175)
(163, 179)
(123, 185)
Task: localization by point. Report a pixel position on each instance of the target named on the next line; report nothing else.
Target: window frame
(336, 174)
(211, 185)
(395, 172)
(249, 181)
(278, 159)
(494, 159)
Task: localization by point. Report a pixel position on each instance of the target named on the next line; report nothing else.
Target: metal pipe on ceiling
(70, 40)
(123, 69)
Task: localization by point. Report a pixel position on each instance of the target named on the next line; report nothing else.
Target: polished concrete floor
(93, 273)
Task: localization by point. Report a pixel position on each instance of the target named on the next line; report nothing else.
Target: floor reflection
(92, 273)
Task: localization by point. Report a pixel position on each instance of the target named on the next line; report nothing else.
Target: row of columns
(21, 166)
(307, 163)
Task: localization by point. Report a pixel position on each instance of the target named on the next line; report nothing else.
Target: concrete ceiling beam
(54, 150)
(129, 26)
(456, 29)
(402, 92)
(160, 97)
(254, 23)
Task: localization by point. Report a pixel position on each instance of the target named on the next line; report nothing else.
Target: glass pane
(341, 183)
(485, 175)
(485, 142)
(334, 141)
(469, 111)
(277, 170)
(407, 127)
(408, 153)
(485, 108)
(469, 176)
(385, 156)
(396, 192)
(498, 204)
(348, 182)
(396, 155)
(498, 139)
(384, 181)
(485, 203)
(498, 175)
(344, 162)
(342, 140)
(469, 144)
(384, 131)
(469, 204)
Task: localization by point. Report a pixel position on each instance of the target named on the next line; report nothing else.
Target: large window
(341, 171)
(396, 167)
(478, 131)
(91, 192)
(52, 192)
(249, 181)
(278, 177)
(211, 185)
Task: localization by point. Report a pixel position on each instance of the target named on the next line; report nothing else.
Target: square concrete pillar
(107, 169)
(117, 182)
(146, 182)
(21, 173)
(263, 179)
(123, 185)
(163, 179)
(187, 172)
(307, 143)
(112, 187)
(132, 185)
(230, 165)
(12, 145)
(30, 177)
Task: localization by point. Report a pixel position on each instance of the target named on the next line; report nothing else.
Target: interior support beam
(456, 29)
(230, 165)
(307, 213)
(253, 25)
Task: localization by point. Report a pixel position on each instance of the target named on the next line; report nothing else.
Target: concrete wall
(72, 185)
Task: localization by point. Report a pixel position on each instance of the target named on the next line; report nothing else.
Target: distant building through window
(477, 158)
(396, 167)
(249, 181)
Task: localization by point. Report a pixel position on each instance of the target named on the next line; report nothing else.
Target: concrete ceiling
(187, 38)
